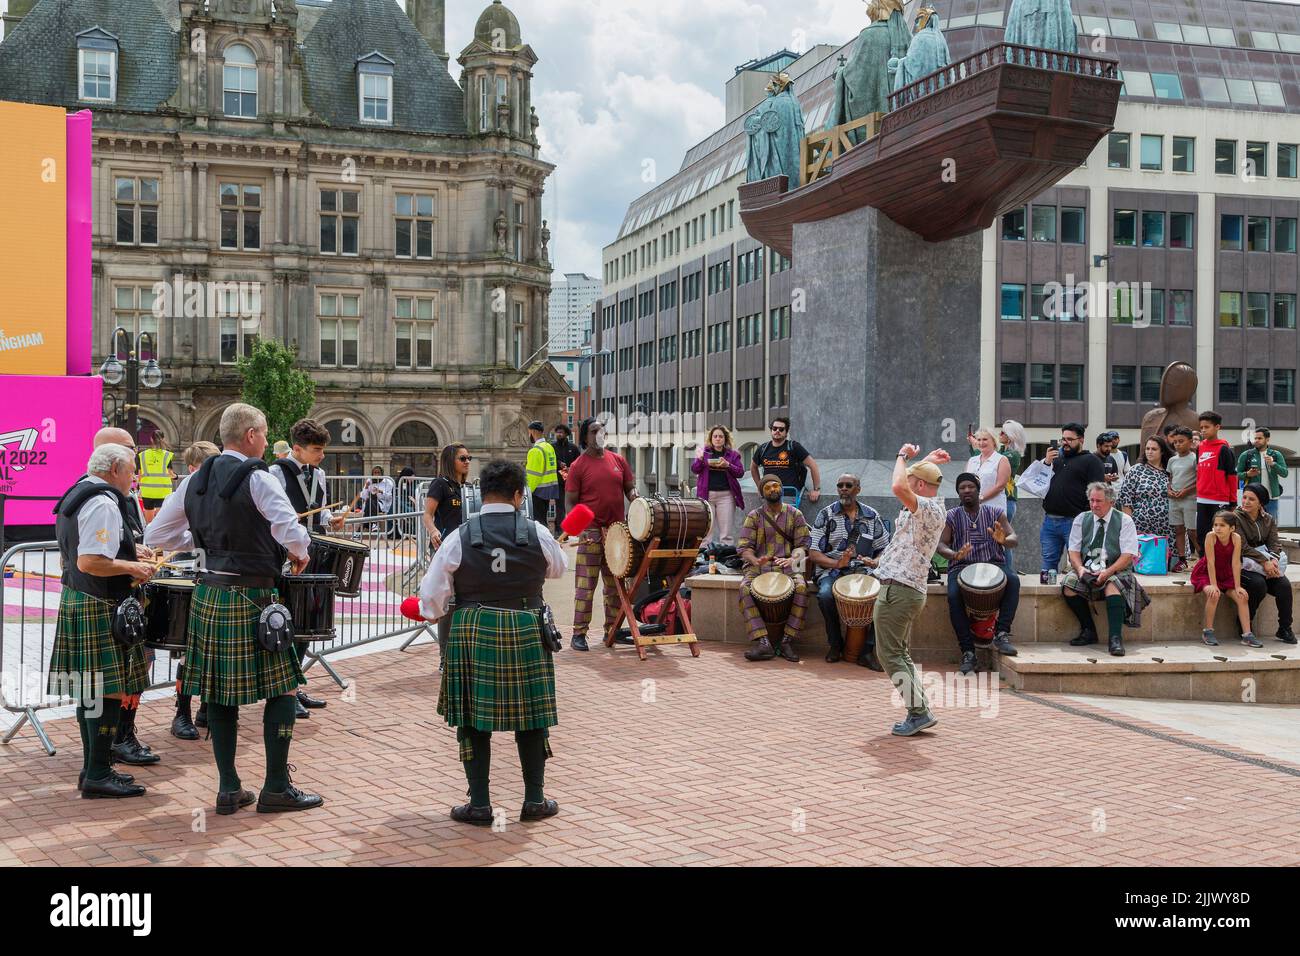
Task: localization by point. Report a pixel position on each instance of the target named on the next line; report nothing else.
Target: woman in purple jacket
(718, 469)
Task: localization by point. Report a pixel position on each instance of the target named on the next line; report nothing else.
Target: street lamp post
(113, 372)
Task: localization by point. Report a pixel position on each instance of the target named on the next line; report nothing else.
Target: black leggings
(1257, 586)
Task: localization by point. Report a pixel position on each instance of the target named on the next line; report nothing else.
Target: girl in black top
(442, 510)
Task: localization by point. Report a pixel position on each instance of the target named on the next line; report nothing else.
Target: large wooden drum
(855, 600)
(623, 553)
(774, 597)
(982, 586)
(676, 522)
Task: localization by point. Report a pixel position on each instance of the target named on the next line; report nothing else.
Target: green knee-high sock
(102, 732)
(277, 734)
(223, 727)
(85, 738)
(478, 766)
(1115, 608)
(1081, 610)
(532, 761)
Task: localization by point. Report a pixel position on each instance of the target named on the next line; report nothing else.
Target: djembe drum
(855, 600)
(982, 586)
(773, 595)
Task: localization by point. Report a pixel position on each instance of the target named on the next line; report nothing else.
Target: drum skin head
(773, 586)
(184, 584)
(639, 518)
(347, 543)
(618, 547)
(856, 586)
(982, 577)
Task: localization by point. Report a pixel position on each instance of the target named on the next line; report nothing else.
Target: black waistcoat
(225, 522)
(506, 565)
(299, 500)
(68, 535)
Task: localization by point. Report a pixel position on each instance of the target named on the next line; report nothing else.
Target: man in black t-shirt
(787, 459)
(1074, 468)
(566, 453)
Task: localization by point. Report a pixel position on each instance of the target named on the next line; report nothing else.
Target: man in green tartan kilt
(498, 674)
(101, 565)
(237, 516)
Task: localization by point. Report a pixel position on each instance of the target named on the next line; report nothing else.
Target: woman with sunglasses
(442, 508)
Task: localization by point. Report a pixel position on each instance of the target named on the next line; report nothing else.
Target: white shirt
(308, 490)
(987, 472)
(436, 588)
(99, 524)
(1128, 532)
(170, 528)
(382, 488)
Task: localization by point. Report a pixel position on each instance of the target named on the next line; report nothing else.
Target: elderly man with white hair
(100, 567)
(238, 514)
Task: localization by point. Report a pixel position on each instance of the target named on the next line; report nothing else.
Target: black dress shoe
(1084, 639)
(183, 728)
(538, 811)
(579, 643)
(1116, 647)
(288, 801)
(131, 751)
(787, 651)
(762, 651)
(834, 655)
(123, 777)
(201, 718)
(311, 703)
(299, 711)
(110, 788)
(228, 801)
(478, 816)
(869, 660)
(967, 662)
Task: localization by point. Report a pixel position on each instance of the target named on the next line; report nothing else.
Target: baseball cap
(927, 471)
(281, 448)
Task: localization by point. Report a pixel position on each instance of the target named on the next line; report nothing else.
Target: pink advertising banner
(47, 425)
(80, 207)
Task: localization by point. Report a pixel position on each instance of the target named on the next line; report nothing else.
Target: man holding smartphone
(1074, 468)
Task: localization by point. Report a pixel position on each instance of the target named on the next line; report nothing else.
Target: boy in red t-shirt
(601, 480)
(1216, 475)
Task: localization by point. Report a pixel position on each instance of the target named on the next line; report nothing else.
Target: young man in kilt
(238, 515)
(498, 675)
(100, 567)
(304, 482)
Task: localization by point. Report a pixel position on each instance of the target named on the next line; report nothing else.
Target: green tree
(272, 383)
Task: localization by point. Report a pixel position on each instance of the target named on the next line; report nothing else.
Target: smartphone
(1054, 444)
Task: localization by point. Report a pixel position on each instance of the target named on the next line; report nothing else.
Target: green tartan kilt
(496, 674)
(224, 663)
(86, 662)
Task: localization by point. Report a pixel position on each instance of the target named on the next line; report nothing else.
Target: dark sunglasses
(779, 428)
(465, 458)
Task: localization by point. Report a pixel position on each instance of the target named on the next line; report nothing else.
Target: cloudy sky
(623, 81)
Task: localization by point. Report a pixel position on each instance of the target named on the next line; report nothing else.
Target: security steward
(242, 520)
(498, 673)
(304, 482)
(157, 474)
(100, 567)
(543, 473)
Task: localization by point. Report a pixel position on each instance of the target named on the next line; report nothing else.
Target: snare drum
(855, 601)
(340, 557)
(310, 600)
(167, 616)
(982, 587)
(773, 594)
(676, 522)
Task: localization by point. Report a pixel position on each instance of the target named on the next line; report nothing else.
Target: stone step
(1175, 670)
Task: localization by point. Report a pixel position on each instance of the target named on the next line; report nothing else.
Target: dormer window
(375, 88)
(97, 66)
(239, 82)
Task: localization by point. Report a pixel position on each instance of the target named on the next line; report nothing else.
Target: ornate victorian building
(317, 171)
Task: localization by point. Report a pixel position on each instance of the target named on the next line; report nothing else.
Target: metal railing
(1013, 54)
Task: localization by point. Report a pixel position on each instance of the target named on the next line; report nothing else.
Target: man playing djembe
(775, 537)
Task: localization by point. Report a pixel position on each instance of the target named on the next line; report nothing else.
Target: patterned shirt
(916, 538)
(831, 529)
(1146, 491)
(976, 532)
(768, 544)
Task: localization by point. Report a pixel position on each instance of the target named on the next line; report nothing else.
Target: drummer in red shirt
(1216, 476)
(603, 481)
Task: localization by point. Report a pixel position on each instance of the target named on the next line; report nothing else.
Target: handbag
(128, 626)
(275, 628)
(551, 639)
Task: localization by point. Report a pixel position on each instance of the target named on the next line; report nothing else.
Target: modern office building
(570, 316)
(1194, 200)
(317, 161)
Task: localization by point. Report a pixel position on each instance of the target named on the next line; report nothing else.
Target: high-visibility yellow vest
(155, 483)
(542, 470)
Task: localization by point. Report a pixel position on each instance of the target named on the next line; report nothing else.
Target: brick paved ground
(719, 761)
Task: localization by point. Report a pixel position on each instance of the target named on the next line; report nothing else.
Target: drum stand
(685, 559)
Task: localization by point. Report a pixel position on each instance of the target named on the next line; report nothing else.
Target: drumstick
(308, 514)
